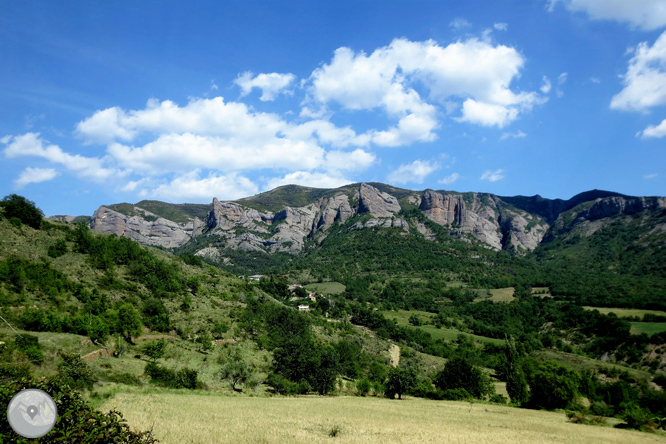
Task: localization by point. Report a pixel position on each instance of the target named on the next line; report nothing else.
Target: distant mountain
(290, 217)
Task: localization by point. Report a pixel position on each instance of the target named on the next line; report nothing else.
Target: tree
(23, 209)
(400, 380)
(415, 320)
(516, 383)
(235, 369)
(98, 330)
(129, 322)
(74, 372)
(459, 373)
(552, 386)
(154, 349)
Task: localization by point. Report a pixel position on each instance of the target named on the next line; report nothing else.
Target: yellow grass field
(502, 294)
(624, 312)
(188, 418)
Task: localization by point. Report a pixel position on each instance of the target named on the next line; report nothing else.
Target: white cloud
(501, 26)
(657, 131)
(190, 186)
(271, 84)
(30, 144)
(650, 176)
(595, 80)
(448, 180)
(34, 175)
(517, 135)
(308, 179)
(459, 23)
(414, 172)
(356, 160)
(645, 80)
(470, 70)
(493, 176)
(643, 14)
(562, 78)
(545, 88)
(486, 114)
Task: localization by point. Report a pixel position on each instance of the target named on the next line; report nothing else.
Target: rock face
(147, 228)
(376, 202)
(510, 223)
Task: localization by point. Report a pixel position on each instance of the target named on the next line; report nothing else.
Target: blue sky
(186, 101)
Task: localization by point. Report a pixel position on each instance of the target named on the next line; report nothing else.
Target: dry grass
(625, 312)
(502, 294)
(207, 418)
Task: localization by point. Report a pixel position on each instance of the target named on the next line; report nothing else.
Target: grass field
(649, 328)
(580, 363)
(626, 312)
(502, 294)
(193, 418)
(326, 287)
(402, 316)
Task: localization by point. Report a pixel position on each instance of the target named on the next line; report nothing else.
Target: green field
(193, 418)
(326, 287)
(649, 328)
(626, 312)
(449, 334)
(581, 363)
(502, 294)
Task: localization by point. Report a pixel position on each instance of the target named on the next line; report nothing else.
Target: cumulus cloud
(30, 144)
(501, 26)
(645, 80)
(448, 180)
(34, 175)
(493, 176)
(271, 84)
(653, 131)
(308, 179)
(414, 172)
(474, 69)
(545, 88)
(190, 186)
(643, 14)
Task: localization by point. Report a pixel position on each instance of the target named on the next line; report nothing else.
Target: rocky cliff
(255, 224)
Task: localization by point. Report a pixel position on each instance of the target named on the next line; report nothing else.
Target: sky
(108, 102)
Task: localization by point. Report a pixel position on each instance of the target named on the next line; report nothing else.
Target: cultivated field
(626, 312)
(326, 287)
(649, 328)
(189, 418)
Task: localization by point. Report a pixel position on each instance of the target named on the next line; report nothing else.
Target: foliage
(235, 369)
(29, 345)
(77, 421)
(128, 323)
(15, 206)
(459, 373)
(399, 381)
(516, 382)
(57, 249)
(154, 349)
(363, 387)
(183, 378)
(74, 372)
(552, 386)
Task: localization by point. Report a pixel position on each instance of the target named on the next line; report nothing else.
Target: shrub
(77, 421)
(281, 385)
(18, 207)
(184, 378)
(362, 387)
(29, 345)
(75, 373)
(154, 349)
(57, 249)
(456, 394)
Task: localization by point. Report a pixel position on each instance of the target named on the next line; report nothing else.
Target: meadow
(193, 418)
(626, 312)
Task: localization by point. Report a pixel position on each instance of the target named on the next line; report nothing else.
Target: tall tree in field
(129, 322)
(516, 383)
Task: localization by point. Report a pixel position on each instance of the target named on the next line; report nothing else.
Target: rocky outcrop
(376, 202)
(145, 227)
(443, 209)
(511, 223)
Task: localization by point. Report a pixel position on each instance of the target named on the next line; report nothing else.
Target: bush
(281, 385)
(18, 207)
(77, 421)
(456, 394)
(184, 378)
(75, 373)
(154, 349)
(362, 387)
(57, 249)
(29, 345)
